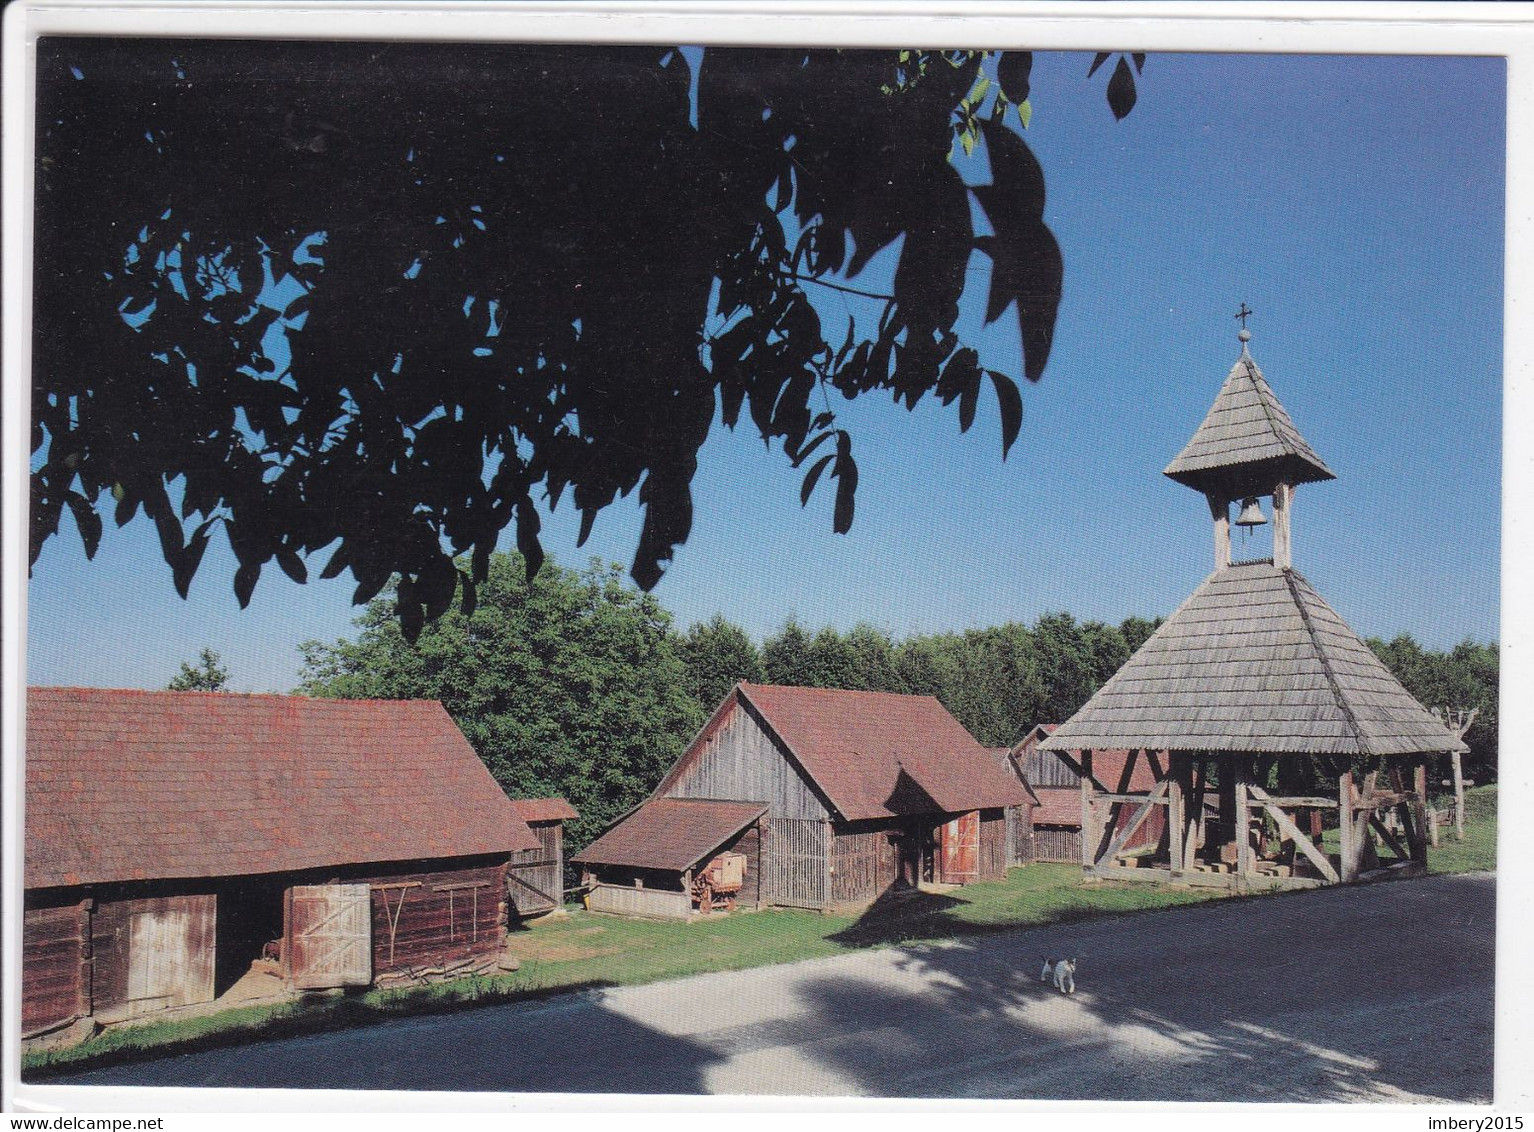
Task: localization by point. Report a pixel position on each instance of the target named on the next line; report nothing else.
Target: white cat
(1062, 972)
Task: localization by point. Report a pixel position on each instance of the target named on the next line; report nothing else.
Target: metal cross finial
(1243, 314)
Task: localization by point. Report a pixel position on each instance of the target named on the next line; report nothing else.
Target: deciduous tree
(386, 298)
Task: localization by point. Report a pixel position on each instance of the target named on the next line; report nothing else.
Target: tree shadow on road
(1374, 994)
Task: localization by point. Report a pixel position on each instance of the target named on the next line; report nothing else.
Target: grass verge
(587, 951)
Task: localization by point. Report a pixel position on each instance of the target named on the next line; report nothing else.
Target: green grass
(1478, 852)
(586, 950)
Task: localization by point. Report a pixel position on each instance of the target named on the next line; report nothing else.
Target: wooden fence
(796, 866)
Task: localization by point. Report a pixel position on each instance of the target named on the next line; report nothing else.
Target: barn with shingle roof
(831, 797)
(1252, 674)
(174, 839)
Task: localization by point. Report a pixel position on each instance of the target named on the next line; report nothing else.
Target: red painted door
(960, 849)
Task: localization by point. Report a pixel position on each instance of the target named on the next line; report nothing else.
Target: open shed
(672, 856)
(174, 839)
(1252, 681)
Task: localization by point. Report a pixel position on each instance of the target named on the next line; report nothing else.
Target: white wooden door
(330, 935)
(158, 955)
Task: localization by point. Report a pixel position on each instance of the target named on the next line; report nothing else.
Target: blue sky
(1355, 203)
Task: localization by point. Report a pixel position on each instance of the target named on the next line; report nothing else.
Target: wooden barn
(536, 877)
(1053, 780)
(1018, 838)
(822, 797)
(176, 839)
(1256, 689)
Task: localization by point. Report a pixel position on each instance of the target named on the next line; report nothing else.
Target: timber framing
(1253, 839)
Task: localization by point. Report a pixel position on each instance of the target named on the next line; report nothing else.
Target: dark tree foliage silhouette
(501, 272)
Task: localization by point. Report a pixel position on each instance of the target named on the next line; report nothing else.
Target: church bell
(1251, 513)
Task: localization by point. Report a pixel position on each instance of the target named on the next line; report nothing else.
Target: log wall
(55, 965)
(441, 917)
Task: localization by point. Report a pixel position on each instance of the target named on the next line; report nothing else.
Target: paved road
(1376, 993)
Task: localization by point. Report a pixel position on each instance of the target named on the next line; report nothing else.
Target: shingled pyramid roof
(1247, 442)
(1255, 661)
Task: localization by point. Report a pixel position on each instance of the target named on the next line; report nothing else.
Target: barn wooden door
(170, 954)
(960, 849)
(330, 935)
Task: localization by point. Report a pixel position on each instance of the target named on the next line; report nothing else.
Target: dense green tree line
(576, 683)
(1465, 677)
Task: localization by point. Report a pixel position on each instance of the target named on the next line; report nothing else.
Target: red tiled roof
(544, 809)
(670, 833)
(130, 785)
(877, 754)
(1058, 805)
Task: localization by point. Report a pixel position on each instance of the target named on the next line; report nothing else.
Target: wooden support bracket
(1301, 841)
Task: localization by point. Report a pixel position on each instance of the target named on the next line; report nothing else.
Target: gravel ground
(1373, 993)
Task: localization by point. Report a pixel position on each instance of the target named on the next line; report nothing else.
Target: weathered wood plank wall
(865, 862)
(152, 954)
(993, 845)
(628, 901)
(1020, 835)
(1044, 768)
(1051, 843)
(536, 878)
(740, 761)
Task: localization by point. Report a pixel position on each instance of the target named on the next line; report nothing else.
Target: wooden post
(1348, 850)
(1088, 825)
(1245, 866)
(1196, 823)
(1227, 765)
(1459, 797)
(1219, 508)
(1175, 831)
(1283, 505)
(1419, 811)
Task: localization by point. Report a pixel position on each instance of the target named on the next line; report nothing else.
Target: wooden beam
(1175, 815)
(1245, 866)
(1196, 824)
(1302, 843)
(1346, 828)
(1219, 510)
(1294, 802)
(1153, 796)
(1459, 796)
(1419, 810)
(1283, 506)
(1088, 815)
(1136, 821)
(1389, 838)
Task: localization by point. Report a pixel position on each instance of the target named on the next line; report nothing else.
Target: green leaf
(1025, 112)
